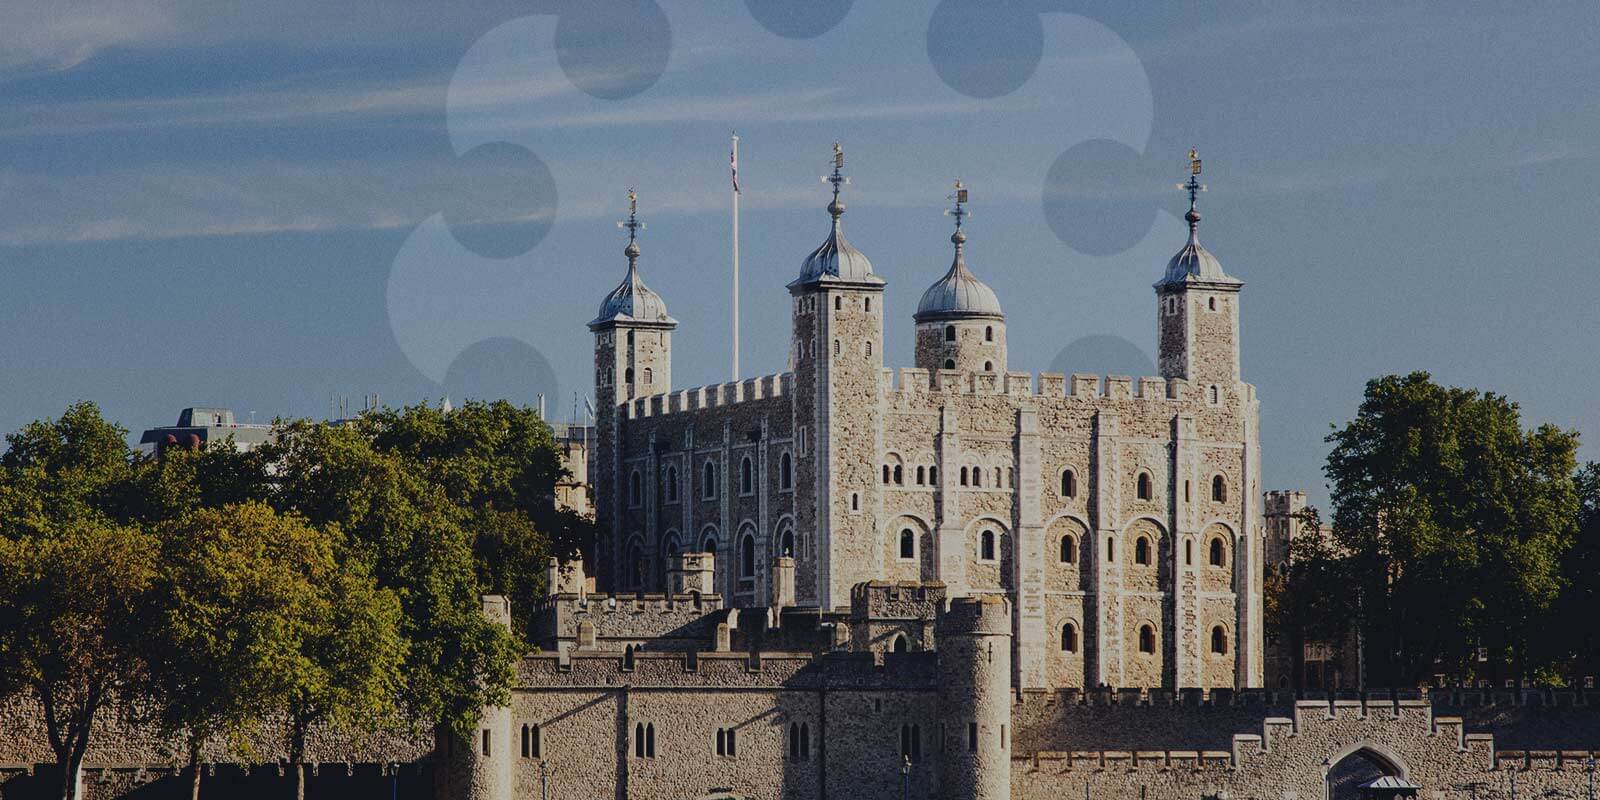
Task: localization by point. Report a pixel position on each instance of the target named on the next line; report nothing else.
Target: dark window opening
(908, 544)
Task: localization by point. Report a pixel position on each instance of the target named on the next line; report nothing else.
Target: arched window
(1216, 394)
(633, 488)
(1211, 303)
(899, 476)
(746, 476)
(650, 740)
(786, 542)
(785, 472)
(747, 557)
(1069, 638)
(1219, 489)
(922, 475)
(672, 484)
(950, 335)
(1219, 555)
(901, 644)
(1147, 639)
(1144, 489)
(630, 338)
(627, 375)
(963, 476)
(999, 478)
(1188, 552)
(1219, 640)
(1069, 550)
(836, 347)
(1069, 483)
(855, 501)
(949, 363)
(1141, 551)
(1111, 549)
(868, 305)
(977, 476)
(649, 375)
(988, 333)
(638, 740)
(988, 366)
(986, 545)
(709, 543)
(908, 544)
(885, 474)
(805, 741)
(794, 741)
(869, 348)
(838, 303)
(709, 488)
(627, 657)
(933, 475)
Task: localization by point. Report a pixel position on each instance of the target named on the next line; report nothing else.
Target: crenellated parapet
(713, 396)
(912, 383)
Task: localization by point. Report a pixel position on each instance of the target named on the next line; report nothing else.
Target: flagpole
(735, 159)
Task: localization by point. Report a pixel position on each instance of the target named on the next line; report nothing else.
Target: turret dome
(836, 259)
(959, 294)
(632, 301)
(1194, 264)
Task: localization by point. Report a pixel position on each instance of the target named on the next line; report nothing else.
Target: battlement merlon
(716, 395)
(915, 382)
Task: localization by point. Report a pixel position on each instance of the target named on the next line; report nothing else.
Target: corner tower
(1197, 317)
(838, 372)
(959, 322)
(632, 358)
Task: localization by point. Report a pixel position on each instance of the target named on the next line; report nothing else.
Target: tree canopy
(1452, 522)
(329, 577)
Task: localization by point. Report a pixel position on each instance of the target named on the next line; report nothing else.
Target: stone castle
(949, 581)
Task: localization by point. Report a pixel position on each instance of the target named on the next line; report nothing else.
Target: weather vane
(633, 225)
(1193, 186)
(960, 197)
(837, 179)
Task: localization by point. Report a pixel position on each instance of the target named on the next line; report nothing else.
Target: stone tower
(959, 322)
(632, 358)
(974, 656)
(838, 366)
(1198, 310)
(480, 768)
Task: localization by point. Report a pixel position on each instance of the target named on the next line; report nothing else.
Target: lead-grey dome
(632, 301)
(959, 294)
(836, 259)
(1194, 264)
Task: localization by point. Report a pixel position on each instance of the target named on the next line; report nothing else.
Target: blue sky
(262, 206)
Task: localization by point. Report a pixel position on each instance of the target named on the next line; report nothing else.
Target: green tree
(1309, 602)
(1453, 520)
(419, 546)
(70, 633)
(229, 621)
(1574, 638)
(348, 675)
(61, 471)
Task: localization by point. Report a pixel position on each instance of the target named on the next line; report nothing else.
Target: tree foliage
(1452, 522)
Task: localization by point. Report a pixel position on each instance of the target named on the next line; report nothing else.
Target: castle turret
(1198, 309)
(838, 368)
(959, 322)
(479, 768)
(632, 358)
(974, 653)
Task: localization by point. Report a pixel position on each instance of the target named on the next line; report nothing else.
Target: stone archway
(1356, 766)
